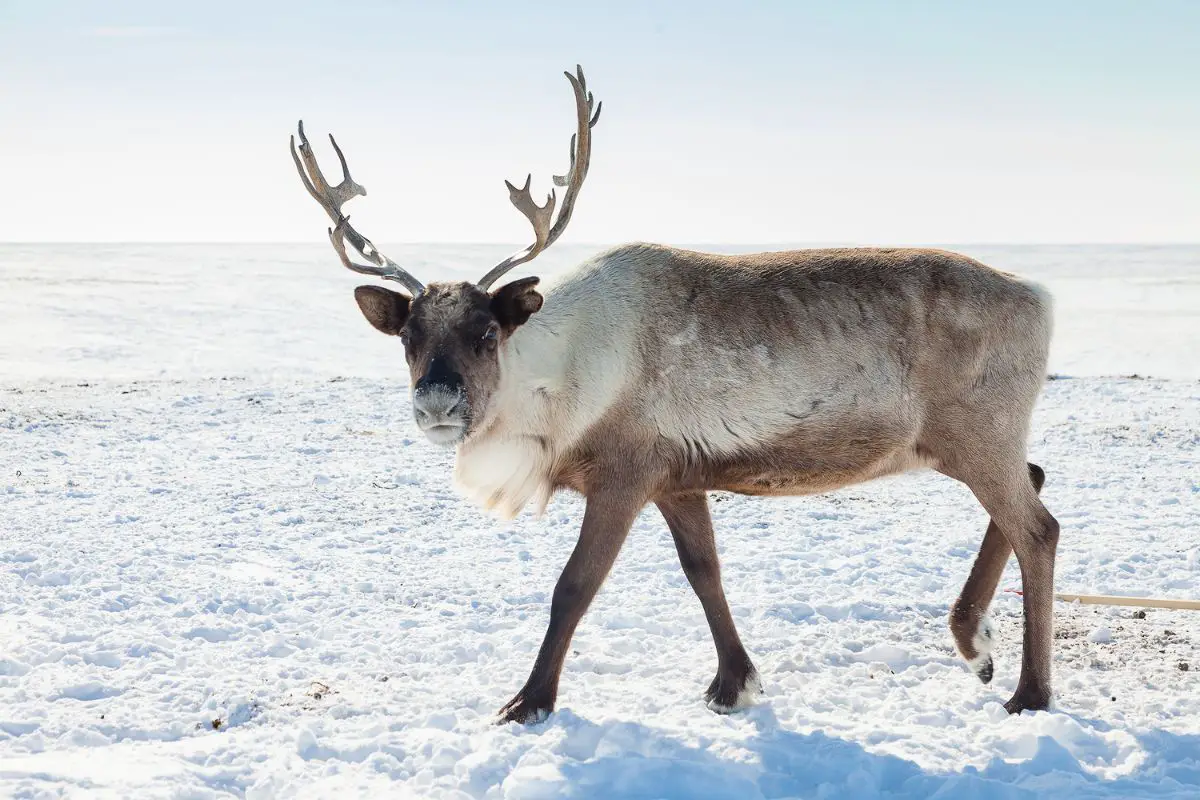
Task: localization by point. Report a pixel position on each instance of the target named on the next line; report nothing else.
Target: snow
(232, 567)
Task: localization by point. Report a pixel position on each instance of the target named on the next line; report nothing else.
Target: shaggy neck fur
(555, 380)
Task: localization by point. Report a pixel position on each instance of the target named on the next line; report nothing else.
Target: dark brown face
(452, 334)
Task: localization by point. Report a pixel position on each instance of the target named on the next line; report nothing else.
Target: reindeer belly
(808, 478)
(814, 458)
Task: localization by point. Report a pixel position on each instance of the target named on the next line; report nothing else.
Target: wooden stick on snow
(1114, 600)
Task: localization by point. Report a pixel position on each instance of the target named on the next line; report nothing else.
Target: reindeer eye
(490, 335)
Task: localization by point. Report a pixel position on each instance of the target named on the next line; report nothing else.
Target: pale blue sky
(855, 122)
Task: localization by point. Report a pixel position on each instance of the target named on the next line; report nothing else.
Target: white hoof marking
(746, 697)
(982, 642)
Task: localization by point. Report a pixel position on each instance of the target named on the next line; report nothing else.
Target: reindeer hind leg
(969, 621)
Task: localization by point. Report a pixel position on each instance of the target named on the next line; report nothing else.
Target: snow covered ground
(230, 566)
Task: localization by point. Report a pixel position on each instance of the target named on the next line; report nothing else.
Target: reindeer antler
(540, 216)
(332, 198)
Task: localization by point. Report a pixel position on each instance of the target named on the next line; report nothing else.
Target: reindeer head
(453, 333)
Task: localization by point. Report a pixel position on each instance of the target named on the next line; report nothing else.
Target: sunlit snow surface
(230, 566)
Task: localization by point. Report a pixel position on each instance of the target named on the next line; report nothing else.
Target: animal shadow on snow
(777, 763)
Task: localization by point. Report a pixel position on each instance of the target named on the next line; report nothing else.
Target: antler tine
(345, 169)
(593, 118)
(332, 198)
(581, 152)
(385, 268)
(539, 216)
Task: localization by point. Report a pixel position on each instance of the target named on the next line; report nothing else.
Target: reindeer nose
(436, 404)
(439, 377)
(438, 396)
(428, 386)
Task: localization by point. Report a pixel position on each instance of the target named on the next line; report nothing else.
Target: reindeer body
(652, 375)
(766, 374)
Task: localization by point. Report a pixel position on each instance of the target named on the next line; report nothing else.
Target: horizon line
(617, 243)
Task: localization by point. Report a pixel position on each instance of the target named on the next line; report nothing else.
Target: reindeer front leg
(606, 522)
(687, 515)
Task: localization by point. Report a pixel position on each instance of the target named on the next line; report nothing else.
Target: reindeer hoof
(525, 709)
(1028, 700)
(727, 693)
(980, 648)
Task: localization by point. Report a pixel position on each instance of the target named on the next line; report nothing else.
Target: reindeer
(651, 374)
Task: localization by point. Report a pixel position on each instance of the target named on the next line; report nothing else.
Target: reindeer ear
(514, 303)
(383, 308)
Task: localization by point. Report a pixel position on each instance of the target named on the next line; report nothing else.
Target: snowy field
(231, 567)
